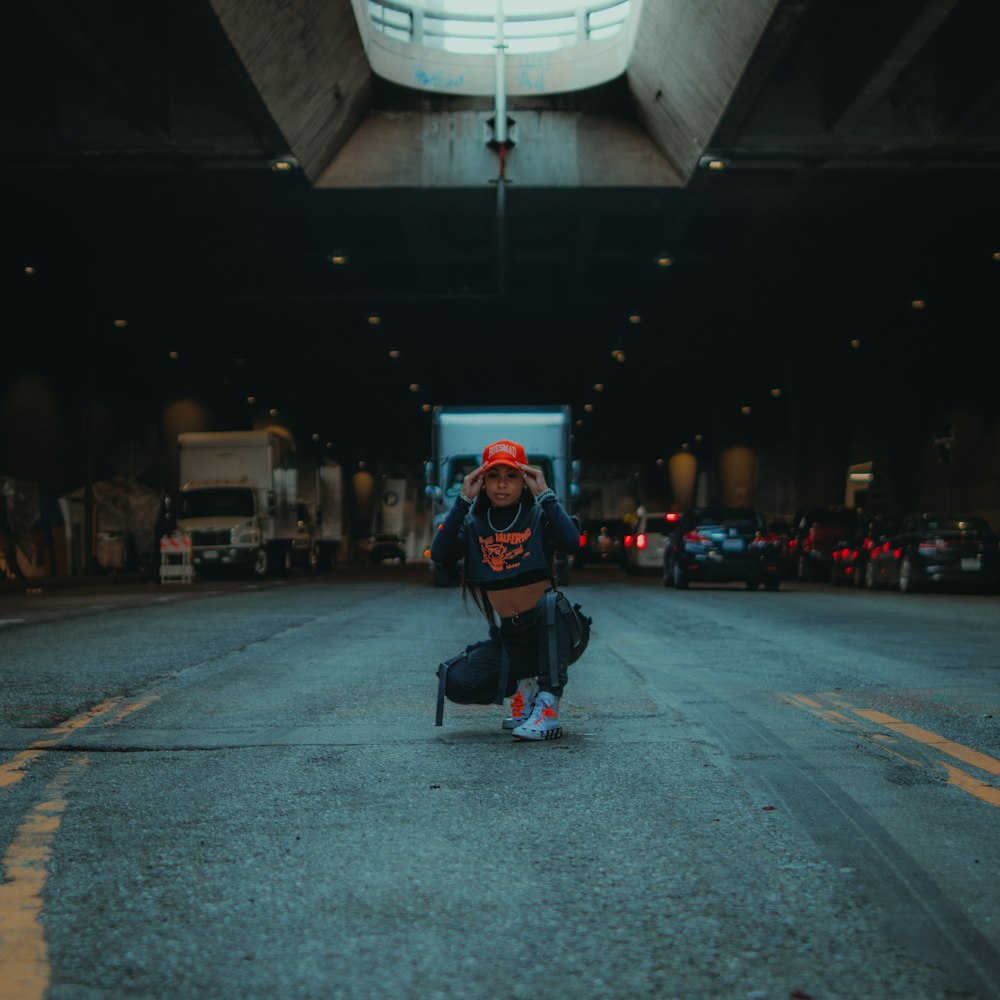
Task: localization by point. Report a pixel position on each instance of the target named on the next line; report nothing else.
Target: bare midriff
(517, 600)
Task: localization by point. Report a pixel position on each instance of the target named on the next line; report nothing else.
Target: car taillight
(629, 539)
(640, 541)
(583, 541)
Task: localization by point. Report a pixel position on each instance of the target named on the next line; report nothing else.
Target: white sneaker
(521, 702)
(543, 723)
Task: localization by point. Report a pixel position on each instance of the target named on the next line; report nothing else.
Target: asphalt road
(227, 790)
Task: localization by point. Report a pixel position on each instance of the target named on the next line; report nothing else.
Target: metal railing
(477, 33)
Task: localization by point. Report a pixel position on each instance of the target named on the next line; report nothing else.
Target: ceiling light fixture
(713, 163)
(374, 319)
(918, 304)
(121, 323)
(284, 164)
(663, 260)
(598, 387)
(30, 270)
(338, 259)
(635, 319)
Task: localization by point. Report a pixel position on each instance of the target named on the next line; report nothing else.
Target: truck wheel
(261, 564)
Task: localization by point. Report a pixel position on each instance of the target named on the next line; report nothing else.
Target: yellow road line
(957, 750)
(956, 776)
(24, 962)
(13, 770)
(972, 785)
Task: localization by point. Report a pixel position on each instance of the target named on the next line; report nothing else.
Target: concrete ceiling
(861, 140)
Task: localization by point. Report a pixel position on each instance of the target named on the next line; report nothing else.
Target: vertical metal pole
(500, 140)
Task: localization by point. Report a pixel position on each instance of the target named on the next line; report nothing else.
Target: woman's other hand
(534, 478)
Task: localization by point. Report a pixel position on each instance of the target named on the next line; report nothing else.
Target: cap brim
(500, 461)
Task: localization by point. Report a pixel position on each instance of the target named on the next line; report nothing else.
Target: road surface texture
(236, 790)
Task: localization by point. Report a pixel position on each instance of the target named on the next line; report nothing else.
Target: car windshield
(955, 524)
(657, 524)
(233, 501)
(743, 521)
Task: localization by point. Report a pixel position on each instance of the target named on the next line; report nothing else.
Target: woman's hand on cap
(535, 479)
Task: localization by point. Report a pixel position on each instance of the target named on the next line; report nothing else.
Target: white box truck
(237, 501)
(458, 436)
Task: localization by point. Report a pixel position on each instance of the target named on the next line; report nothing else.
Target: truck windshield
(461, 465)
(233, 501)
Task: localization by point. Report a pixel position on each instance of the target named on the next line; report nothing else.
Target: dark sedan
(933, 550)
(722, 544)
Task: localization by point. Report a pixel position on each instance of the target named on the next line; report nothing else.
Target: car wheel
(772, 582)
(871, 575)
(680, 579)
(753, 583)
(907, 579)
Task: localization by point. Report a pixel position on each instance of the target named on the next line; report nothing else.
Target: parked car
(851, 554)
(383, 548)
(723, 544)
(934, 550)
(815, 533)
(602, 541)
(644, 547)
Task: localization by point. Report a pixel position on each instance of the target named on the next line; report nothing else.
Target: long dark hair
(478, 593)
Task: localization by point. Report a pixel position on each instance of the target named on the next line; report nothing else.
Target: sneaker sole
(552, 734)
(511, 723)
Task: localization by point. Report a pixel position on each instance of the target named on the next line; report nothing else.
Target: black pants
(474, 677)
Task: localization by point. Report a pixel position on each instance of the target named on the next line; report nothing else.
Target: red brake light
(629, 539)
(583, 540)
(640, 541)
(672, 516)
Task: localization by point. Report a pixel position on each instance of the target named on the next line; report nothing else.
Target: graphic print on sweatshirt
(504, 550)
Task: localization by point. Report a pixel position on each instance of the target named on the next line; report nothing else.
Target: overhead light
(394, 354)
(374, 319)
(121, 323)
(173, 355)
(713, 163)
(272, 412)
(315, 437)
(635, 319)
(663, 260)
(618, 355)
(775, 392)
(30, 270)
(746, 410)
(588, 407)
(918, 304)
(855, 343)
(426, 407)
(598, 387)
(338, 259)
(251, 400)
(414, 387)
(284, 164)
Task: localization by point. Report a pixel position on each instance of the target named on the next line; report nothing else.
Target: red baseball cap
(504, 453)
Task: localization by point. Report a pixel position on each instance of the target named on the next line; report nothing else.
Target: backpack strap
(442, 673)
(504, 674)
(551, 597)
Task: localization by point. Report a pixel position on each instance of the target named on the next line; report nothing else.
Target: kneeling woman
(507, 525)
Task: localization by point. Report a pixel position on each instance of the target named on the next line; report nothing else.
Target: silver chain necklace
(509, 526)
